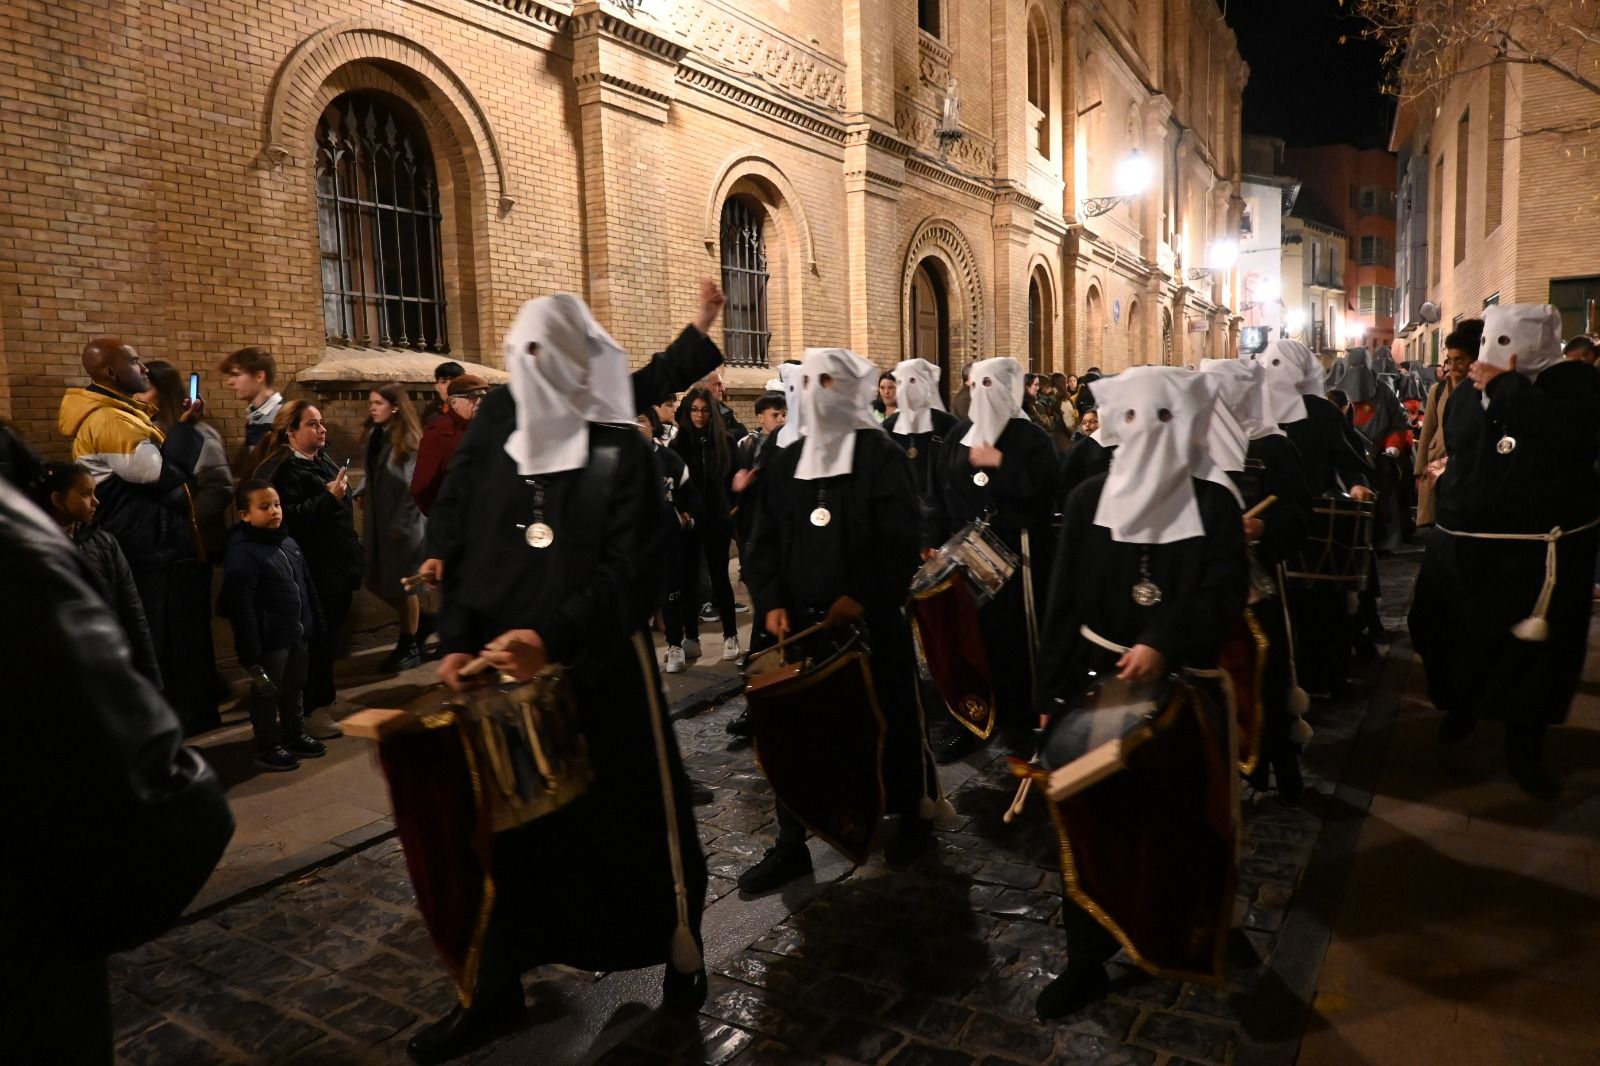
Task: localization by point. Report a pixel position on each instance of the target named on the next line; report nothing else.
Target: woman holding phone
(212, 491)
(318, 513)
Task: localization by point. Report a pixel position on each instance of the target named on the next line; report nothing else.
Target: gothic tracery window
(378, 218)
(746, 330)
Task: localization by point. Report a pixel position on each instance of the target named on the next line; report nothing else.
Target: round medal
(1506, 446)
(540, 535)
(980, 479)
(821, 517)
(1147, 593)
(911, 452)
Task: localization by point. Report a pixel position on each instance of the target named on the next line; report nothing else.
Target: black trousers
(320, 690)
(177, 604)
(709, 545)
(1088, 943)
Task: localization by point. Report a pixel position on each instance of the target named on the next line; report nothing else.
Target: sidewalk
(1469, 931)
(339, 803)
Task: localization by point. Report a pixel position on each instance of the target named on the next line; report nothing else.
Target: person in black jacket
(65, 492)
(113, 825)
(681, 497)
(268, 596)
(703, 444)
(318, 514)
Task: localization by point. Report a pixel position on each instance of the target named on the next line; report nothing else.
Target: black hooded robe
(927, 447)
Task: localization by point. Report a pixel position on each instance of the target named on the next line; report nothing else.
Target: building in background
(1268, 198)
(1492, 208)
(368, 189)
(1353, 189)
(1314, 284)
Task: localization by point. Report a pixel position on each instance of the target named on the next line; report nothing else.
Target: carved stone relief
(746, 49)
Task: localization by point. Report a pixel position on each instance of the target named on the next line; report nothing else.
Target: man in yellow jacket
(142, 480)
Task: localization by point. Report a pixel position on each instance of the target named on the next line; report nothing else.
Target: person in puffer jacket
(268, 597)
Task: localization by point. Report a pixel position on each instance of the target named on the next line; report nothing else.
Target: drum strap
(1535, 627)
(1028, 609)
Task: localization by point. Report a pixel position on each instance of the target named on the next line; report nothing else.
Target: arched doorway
(1136, 356)
(1041, 324)
(930, 320)
(1094, 326)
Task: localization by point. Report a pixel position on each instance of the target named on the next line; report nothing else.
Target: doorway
(930, 321)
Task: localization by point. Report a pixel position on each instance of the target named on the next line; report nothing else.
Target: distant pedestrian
(703, 444)
(961, 402)
(443, 375)
(319, 515)
(442, 436)
(392, 527)
(65, 492)
(681, 497)
(250, 373)
(212, 490)
(1582, 349)
(886, 402)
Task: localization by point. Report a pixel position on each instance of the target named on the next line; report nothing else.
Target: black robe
(1085, 459)
(1020, 494)
(927, 445)
(868, 551)
(1328, 456)
(590, 885)
(1471, 592)
(1204, 583)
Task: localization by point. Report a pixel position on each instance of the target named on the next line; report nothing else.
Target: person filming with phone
(319, 514)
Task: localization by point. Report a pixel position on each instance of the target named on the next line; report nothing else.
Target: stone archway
(940, 241)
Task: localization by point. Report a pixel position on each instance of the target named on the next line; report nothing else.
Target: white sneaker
(730, 649)
(691, 649)
(675, 661)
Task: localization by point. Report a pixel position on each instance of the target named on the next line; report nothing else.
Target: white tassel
(945, 812)
(1299, 701)
(1300, 732)
(926, 808)
(685, 952)
(1534, 630)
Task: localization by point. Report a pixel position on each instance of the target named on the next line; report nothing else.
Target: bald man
(142, 478)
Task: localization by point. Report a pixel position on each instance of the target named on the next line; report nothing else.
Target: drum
(944, 620)
(978, 554)
(461, 767)
(1338, 545)
(1146, 812)
(1244, 660)
(818, 734)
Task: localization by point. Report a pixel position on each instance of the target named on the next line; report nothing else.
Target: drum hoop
(1069, 866)
(944, 584)
(883, 733)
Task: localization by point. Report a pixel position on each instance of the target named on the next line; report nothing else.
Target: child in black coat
(268, 597)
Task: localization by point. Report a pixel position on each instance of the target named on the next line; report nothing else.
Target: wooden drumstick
(1258, 509)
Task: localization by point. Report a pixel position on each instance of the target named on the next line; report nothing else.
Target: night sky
(1304, 85)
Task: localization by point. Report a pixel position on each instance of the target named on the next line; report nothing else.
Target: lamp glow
(1134, 174)
(1354, 331)
(1222, 255)
(1293, 322)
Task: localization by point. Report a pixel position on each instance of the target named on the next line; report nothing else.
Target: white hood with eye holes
(1292, 373)
(1162, 416)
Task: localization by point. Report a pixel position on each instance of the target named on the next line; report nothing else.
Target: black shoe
(777, 868)
(277, 760)
(1456, 727)
(741, 608)
(304, 747)
(1291, 783)
(1072, 991)
(683, 993)
(740, 725)
(708, 613)
(958, 744)
(406, 654)
(464, 1029)
(1535, 781)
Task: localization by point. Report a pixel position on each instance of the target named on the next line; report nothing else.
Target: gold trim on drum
(1263, 649)
(982, 729)
(467, 986)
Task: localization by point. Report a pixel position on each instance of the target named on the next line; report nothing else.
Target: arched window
(1094, 328)
(746, 331)
(378, 219)
(1041, 323)
(1039, 80)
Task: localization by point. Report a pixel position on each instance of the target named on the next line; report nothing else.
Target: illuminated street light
(1222, 255)
(1134, 175)
(1293, 322)
(1354, 331)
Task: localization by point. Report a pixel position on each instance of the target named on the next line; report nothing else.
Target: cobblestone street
(936, 963)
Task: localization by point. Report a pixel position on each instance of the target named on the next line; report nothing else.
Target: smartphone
(194, 388)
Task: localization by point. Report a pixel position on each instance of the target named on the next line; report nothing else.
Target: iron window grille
(746, 332)
(378, 218)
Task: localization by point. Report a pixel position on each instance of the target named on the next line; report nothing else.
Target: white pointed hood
(1531, 332)
(1162, 417)
(790, 431)
(566, 372)
(1242, 414)
(1292, 372)
(997, 386)
(917, 390)
(832, 415)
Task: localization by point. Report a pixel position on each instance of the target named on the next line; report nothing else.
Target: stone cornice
(589, 17)
(928, 169)
(540, 14)
(729, 40)
(694, 72)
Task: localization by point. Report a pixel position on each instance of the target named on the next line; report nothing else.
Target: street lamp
(1293, 322)
(1354, 331)
(1133, 177)
(1222, 256)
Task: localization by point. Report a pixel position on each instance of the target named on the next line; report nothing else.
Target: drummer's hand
(929, 553)
(1362, 494)
(450, 668)
(518, 653)
(1253, 529)
(778, 622)
(1141, 663)
(844, 609)
(432, 571)
(742, 480)
(984, 455)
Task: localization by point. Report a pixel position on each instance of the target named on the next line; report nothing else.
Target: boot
(406, 654)
(1074, 990)
(1525, 761)
(781, 864)
(463, 1029)
(1286, 768)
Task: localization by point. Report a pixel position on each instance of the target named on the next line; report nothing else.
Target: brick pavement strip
(934, 963)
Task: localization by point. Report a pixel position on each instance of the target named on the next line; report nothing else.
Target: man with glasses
(442, 436)
(1460, 351)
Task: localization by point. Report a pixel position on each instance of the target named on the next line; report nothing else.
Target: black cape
(927, 447)
(1471, 592)
(590, 885)
(1328, 456)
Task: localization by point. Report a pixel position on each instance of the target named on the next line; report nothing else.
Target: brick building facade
(367, 188)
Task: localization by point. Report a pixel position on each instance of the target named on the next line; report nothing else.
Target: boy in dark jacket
(268, 597)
